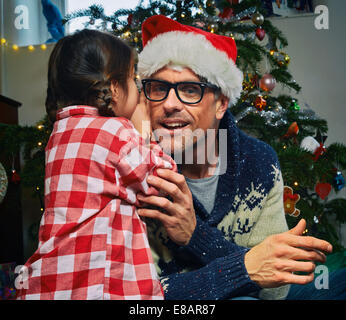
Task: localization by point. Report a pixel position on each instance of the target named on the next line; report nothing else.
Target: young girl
(92, 243)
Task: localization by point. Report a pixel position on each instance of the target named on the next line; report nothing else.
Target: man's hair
(217, 92)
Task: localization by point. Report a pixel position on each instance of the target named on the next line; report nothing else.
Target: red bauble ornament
(267, 82)
(323, 189)
(260, 33)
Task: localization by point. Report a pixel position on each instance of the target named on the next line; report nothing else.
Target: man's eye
(159, 88)
(190, 89)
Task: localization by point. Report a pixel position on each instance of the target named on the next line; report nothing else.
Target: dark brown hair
(81, 69)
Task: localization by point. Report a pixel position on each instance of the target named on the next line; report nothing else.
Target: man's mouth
(174, 124)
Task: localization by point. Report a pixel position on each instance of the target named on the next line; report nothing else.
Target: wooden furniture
(11, 219)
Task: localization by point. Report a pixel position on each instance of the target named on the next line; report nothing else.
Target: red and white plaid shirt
(92, 243)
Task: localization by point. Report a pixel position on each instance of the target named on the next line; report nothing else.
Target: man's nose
(172, 103)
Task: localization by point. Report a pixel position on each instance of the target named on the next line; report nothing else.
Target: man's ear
(221, 106)
(115, 91)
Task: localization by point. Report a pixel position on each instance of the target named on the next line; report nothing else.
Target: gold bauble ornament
(213, 27)
(287, 59)
(257, 19)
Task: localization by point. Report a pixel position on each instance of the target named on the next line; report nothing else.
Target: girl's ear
(221, 106)
(115, 91)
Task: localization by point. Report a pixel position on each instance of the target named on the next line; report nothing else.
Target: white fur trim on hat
(194, 51)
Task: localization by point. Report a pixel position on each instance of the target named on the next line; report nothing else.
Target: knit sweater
(248, 207)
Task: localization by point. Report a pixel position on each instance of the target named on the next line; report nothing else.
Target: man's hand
(178, 216)
(272, 262)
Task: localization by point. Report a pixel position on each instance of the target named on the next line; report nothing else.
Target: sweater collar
(76, 110)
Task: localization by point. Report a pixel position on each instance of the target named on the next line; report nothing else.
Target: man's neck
(198, 171)
(206, 169)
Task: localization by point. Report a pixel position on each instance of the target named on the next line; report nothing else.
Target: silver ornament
(257, 19)
(3, 182)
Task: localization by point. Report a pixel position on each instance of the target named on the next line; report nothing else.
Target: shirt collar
(76, 110)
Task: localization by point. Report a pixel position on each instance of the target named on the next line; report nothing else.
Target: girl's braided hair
(81, 69)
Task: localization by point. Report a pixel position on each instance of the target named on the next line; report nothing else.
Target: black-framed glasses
(189, 92)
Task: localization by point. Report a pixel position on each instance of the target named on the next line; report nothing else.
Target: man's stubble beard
(185, 148)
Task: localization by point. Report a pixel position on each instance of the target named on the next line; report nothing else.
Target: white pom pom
(309, 144)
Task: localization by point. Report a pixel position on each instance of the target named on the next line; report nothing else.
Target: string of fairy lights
(15, 47)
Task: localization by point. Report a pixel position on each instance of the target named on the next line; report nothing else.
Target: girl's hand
(141, 118)
(177, 215)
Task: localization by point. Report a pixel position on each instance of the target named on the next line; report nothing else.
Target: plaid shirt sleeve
(92, 243)
(137, 160)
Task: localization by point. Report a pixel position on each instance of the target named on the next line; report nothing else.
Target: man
(227, 237)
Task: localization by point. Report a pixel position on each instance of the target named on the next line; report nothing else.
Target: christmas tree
(310, 169)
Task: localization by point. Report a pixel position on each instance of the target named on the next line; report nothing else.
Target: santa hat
(209, 55)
